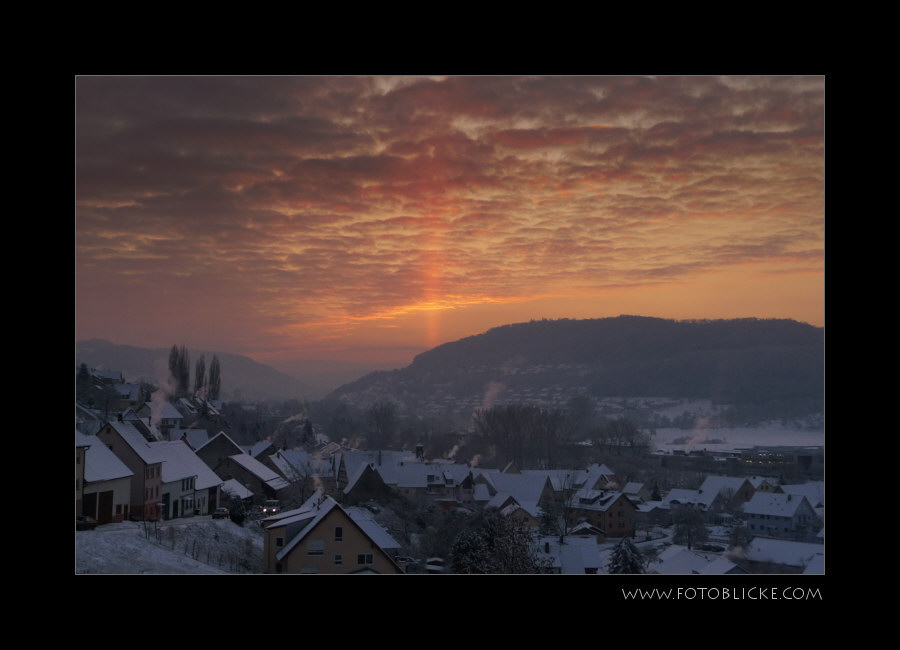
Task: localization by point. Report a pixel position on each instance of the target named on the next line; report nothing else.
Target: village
(336, 509)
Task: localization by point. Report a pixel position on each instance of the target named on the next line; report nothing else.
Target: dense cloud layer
(273, 213)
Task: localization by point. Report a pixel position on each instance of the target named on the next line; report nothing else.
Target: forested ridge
(751, 363)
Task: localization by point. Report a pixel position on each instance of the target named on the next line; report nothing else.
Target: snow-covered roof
(168, 412)
(235, 488)
(257, 448)
(128, 391)
(365, 520)
(196, 438)
(814, 491)
(782, 551)
(574, 557)
(179, 461)
(633, 487)
(713, 485)
(682, 497)
(775, 504)
(317, 508)
(135, 439)
(526, 488)
(100, 463)
(260, 471)
(680, 560)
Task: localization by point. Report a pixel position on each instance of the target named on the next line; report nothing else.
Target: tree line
(207, 383)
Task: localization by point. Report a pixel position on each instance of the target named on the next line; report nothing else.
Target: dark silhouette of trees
(180, 369)
(200, 376)
(625, 558)
(690, 526)
(494, 544)
(214, 381)
(382, 418)
(525, 434)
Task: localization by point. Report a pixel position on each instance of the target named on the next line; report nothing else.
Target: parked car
(83, 522)
(220, 513)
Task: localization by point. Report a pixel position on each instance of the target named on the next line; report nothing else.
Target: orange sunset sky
(370, 218)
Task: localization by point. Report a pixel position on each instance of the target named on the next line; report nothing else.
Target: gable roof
(179, 461)
(814, 491)
(713, 485)
(680, 496)
(224, 436)
(135, 439)
(196, 438)
(314, 510)
(775, 504)
(100, 463)
(234, 488)
(267, 475)
(782, 551)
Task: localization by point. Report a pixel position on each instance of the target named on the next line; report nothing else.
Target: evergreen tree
(496, 544)
(214, 382)
(180, 369)
(626, 558)
(184, 371)
(200, 375)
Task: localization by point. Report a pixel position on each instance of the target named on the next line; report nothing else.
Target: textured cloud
(273, 213)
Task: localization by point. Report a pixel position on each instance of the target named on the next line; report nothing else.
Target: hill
(769, 368)
(240, 375)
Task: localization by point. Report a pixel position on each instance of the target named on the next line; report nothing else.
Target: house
(189, 486)
(814, 491)
(533, 491)
(165, 416)
(725, 493)
(637, 492)
(129, 395)
(133, 449)
(87, 420)
(195, 438)
(574, 556)
(783, 556)
(610, 511)
(260, 448)
(781, 515)
(108, 377)
(229, 461)
(232, 491)
(298, 465)
(764, 484)
(142, 423)
(680, 560)
(596, 477)
(322, 537)
(102, 481)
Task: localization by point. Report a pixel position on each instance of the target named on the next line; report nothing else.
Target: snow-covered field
(198, 545)
(713, 439)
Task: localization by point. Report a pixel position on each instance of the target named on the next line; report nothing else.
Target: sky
(366, 219)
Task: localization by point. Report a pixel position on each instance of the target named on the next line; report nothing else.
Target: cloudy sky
(369, 218)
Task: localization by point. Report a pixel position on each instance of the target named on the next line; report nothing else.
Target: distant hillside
(774, 366)
(253, 380)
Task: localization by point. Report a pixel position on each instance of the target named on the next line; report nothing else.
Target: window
(338, 558)
(279, 542)
(365, 558)
(315, 547)
(339, 533)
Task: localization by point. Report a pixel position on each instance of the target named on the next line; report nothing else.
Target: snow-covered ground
(729, 439)
(197, 545)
